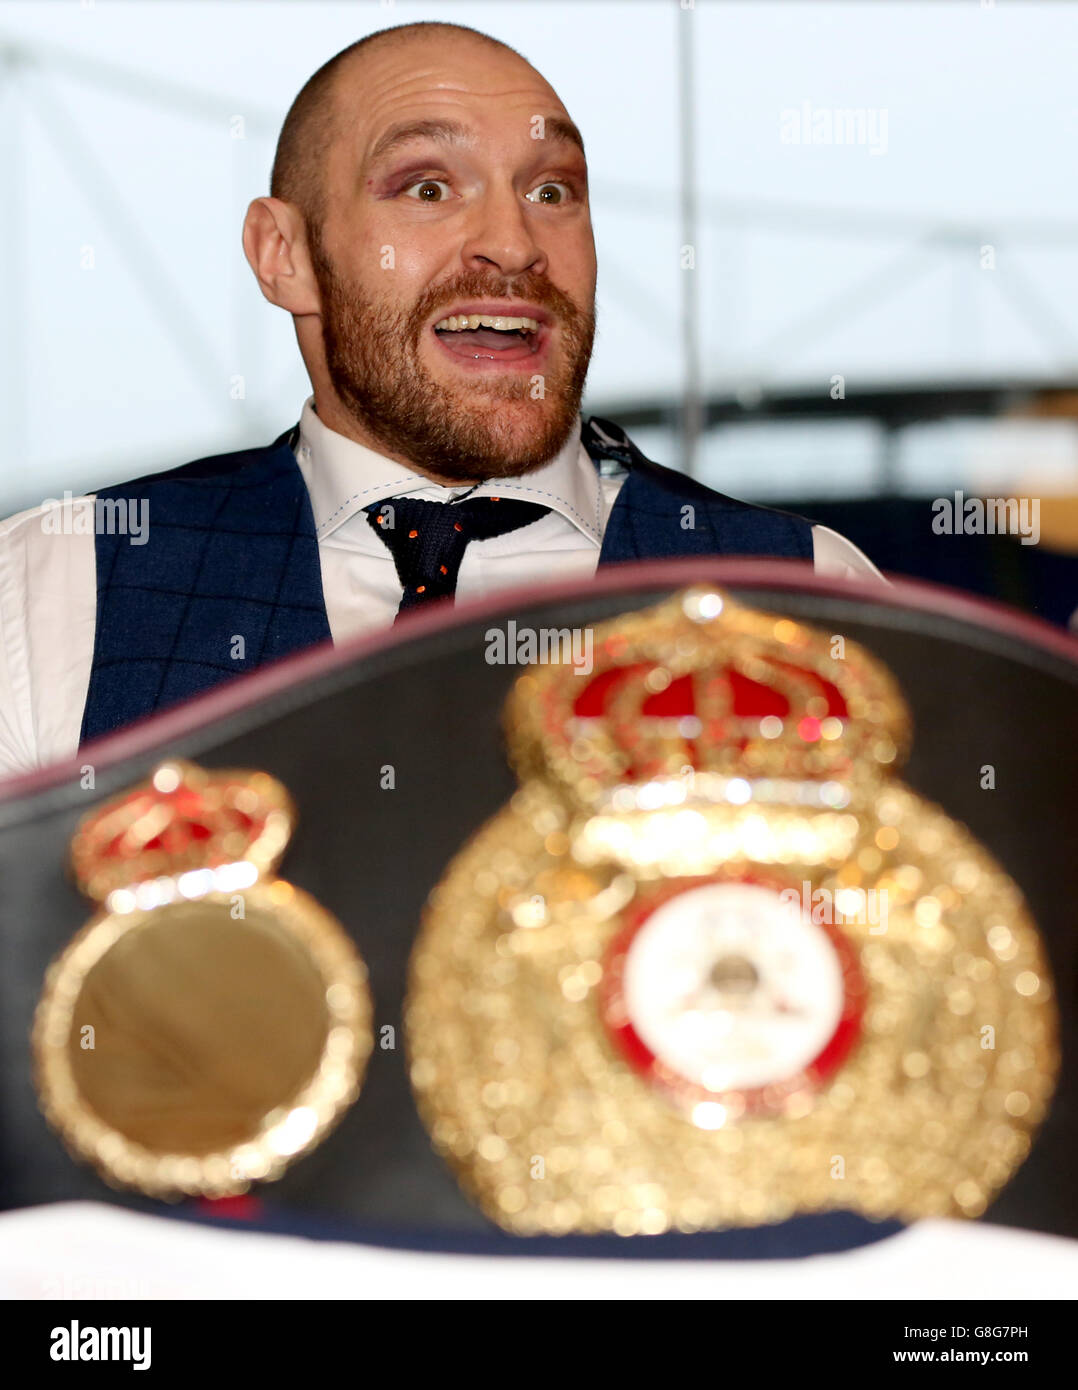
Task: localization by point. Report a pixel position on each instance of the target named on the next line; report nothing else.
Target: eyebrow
(556, 128)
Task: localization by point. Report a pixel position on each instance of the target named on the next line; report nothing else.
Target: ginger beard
(466, 431)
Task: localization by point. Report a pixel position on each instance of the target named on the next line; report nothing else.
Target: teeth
(457, 323)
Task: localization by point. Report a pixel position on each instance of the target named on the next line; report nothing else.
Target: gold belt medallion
(212, 1022)
(715, 965)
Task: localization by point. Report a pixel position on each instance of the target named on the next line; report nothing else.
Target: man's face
(473, 214)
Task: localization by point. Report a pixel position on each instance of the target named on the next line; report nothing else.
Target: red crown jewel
(182, 818)
(702, 684)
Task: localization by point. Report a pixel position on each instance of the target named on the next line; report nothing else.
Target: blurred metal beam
(1011, 281)
(893, 407)
(795, 218)
(842, 306)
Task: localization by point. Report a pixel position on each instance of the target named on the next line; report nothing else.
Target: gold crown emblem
(712, 691)
(183, 819)
(714, 964)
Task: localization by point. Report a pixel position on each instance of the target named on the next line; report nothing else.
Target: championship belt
(715, 965)
(212, 1022)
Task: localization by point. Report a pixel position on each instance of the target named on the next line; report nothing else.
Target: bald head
(429, 173)
(313, 120)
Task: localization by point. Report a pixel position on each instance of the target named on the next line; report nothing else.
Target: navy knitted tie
(427, 539)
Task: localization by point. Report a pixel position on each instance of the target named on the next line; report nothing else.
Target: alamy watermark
(988, 516)
(834, 125)
(525, 646)
(863, 906)
(74, 1342)
(97, 516)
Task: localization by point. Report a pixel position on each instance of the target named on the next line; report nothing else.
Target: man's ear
(275, 244)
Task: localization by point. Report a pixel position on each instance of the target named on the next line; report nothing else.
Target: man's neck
(336, 418)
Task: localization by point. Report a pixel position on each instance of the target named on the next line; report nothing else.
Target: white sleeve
(48, 610)
(837, 558)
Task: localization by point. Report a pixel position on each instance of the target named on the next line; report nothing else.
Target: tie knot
(427, 539)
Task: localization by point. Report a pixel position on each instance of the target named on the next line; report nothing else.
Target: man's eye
(426, 188)
(543, 193)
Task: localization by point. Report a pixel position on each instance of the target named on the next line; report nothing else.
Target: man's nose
(500, 234)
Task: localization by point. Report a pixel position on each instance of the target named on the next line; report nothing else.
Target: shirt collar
(343, 477)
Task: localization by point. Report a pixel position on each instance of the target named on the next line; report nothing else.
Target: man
(430, 234)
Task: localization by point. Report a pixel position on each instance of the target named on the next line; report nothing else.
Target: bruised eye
(549, 193)
(428, 191)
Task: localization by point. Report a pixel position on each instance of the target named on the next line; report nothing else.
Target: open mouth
(483, 339)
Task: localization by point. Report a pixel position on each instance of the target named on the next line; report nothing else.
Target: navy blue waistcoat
(230, 577)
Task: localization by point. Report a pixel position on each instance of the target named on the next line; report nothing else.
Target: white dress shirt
(48, 579)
